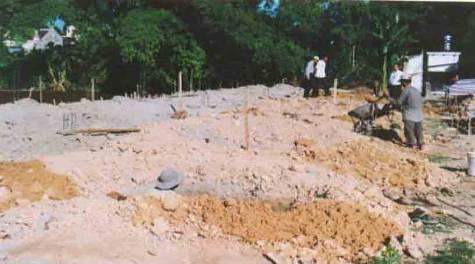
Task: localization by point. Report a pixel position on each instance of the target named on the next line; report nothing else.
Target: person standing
(321, 77)
(395, 82)
(411, 103)
(309, 82)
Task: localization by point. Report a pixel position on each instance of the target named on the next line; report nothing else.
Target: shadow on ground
(387, 135)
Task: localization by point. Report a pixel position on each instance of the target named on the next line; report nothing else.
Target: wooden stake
(353, 58)
(93, 96)
(180, 90)
(41, 89)
(30, 93)
(335, 88)
(246, 121)
(191, 80)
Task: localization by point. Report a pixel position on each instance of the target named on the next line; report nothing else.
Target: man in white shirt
(309, 82)
(395, 82)
(321, 76)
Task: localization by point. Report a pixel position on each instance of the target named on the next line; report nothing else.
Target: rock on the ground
(171, 203)
(412, 243)
(5, 193)
(394, 243)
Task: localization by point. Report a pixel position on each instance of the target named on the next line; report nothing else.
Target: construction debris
(310, 191)
(99, 131)
(182, 114)
(116, 196)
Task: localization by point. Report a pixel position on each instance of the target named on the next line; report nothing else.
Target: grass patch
(389, 255)
(442, 225)
(433, 224)
(455, 252)
(439, 158)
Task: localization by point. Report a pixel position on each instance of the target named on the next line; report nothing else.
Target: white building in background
(42, 38)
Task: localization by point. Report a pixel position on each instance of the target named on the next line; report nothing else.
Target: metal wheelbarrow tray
(367, 114)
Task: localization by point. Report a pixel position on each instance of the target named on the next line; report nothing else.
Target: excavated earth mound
(351, 226)
(23, 182)
(377, 161)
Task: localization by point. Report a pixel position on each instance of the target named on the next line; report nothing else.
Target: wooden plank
(99, 131)
(41, 89)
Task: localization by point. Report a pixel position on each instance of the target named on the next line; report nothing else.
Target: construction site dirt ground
(308, 189)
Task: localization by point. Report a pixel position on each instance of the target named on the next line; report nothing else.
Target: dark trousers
(395, 91)
(321, 83)
(309, 86)
(414, 133)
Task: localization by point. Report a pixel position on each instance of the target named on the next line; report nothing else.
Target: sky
(270, 7)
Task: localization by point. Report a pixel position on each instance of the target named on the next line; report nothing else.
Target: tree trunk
(353, 58)
(384, 82)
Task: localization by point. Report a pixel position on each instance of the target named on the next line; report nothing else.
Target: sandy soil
(24, 182)
(309, 189)
(348, 226)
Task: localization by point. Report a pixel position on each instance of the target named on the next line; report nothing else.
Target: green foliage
(390, 255)
(157, 41)
(30, 17)
(439, 158)
(122, 43)
(303, 21)
(468, 42)
(142, 33)
(455, 252)
(272, 55)
(379, 32)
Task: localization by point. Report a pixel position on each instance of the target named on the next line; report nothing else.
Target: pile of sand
(351, 226)
(31, 181)
(377, 161)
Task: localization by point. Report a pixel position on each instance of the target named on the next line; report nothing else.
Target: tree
(29, 17)
(157, 42)
(267, 55)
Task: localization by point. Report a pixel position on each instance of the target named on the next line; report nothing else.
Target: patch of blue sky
(269, 7)
(57, 23)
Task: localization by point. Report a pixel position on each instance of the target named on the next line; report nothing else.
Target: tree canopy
(124, 43)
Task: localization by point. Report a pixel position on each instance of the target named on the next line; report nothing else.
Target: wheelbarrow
(365, 116)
